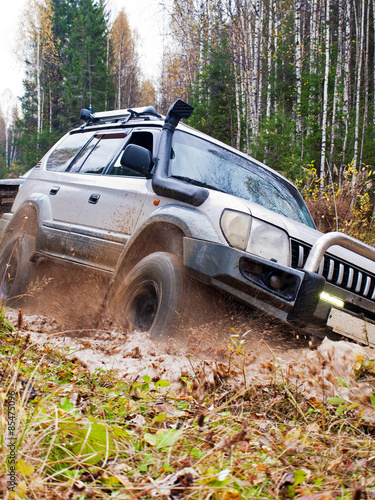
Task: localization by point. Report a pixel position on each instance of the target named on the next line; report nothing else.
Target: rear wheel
(151, 297)
(15, 266)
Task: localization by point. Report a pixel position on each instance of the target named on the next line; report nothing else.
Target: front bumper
(288, 294)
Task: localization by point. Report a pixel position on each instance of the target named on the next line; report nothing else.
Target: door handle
(94, 198)
(54, 190)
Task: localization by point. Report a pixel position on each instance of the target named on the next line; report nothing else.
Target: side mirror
(137, 159)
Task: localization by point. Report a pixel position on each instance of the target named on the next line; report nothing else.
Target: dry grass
(345, 205)
(94, 435)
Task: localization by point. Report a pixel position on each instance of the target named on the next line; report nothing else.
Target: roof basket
(118, 115)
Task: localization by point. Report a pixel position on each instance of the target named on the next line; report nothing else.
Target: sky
(143, 15)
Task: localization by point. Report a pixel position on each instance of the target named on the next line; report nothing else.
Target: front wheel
(151, 297)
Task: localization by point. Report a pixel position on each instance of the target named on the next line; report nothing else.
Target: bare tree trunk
(298, 52)
(359, 40)
(260, 73)
(50, 110)
(347, 58)
(107, 65)
(366, 83)
(255, 70)
(325, 98)
(245, 78)
(13, 150)
(275, 39)
(237, 89)
(6, 146)
(38, 86)
(119, 75)
(337, 78)
(313, 50)
(269, 58)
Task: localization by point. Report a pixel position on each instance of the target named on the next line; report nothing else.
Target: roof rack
(123, 115)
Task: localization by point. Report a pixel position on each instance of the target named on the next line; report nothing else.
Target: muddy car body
(155, 204)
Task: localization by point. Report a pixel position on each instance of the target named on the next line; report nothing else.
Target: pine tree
(86, 75)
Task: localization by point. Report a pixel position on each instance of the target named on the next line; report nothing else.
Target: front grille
(337, 272)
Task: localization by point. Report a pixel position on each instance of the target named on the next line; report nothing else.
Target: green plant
(236, 355)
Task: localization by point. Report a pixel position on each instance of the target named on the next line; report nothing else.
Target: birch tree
(269, 58)
(338, 75)
(325, 95)
(8, 105)
(359, 59)
(298, 51)
(346, 90)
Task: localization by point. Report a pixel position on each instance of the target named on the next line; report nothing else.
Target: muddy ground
(69, 310)
(205, 357)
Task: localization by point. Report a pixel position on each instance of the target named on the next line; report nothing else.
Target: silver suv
(158, 207)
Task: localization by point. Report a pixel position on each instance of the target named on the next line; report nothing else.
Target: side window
(144, 139)
(99, 153)
(61, 157)
(83, 155)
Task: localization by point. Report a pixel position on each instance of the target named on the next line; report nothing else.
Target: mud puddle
(205, 357)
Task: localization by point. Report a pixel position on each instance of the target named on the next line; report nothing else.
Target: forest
(290, 83)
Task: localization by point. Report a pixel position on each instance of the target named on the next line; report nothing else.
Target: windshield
(202, 163)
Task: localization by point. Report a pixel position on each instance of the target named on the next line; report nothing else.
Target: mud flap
(307, 299)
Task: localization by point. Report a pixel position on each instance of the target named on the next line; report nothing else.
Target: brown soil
(201, 355)
(135, 353)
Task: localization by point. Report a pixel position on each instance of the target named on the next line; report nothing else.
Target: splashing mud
(203, 358)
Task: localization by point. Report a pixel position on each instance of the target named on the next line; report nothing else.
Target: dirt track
(201, 356)
(100, 348)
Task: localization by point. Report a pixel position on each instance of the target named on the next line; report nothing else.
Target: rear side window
(105, 147)
(61, 157)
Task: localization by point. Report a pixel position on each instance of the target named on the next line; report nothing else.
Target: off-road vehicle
(155, 205)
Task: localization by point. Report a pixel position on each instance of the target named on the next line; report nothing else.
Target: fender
(188, 221)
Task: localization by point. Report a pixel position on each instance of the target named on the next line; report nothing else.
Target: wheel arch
(160, 236)
(25, 220)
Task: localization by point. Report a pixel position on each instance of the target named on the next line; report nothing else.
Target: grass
(95, 435)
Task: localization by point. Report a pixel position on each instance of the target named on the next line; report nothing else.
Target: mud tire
(15, 266)
(151, 297)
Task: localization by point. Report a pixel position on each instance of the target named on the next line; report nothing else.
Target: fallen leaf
(317, 496)
(25, 468)
(231, 494)
(223, 474)
(124, 480)
(170, 410)
(173, 485)
(21, 489)
(293, 434)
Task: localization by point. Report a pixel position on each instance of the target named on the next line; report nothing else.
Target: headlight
(236, 228)
(269, 242)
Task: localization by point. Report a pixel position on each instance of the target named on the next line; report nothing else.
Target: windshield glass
(200, 162)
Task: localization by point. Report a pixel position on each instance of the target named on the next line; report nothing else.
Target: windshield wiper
(197, 183)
